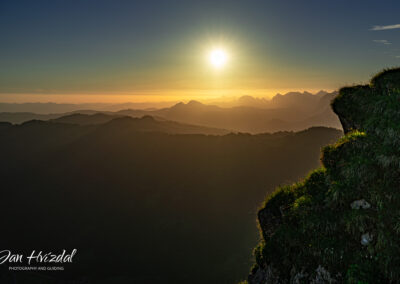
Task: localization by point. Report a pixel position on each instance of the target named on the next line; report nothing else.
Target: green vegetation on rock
(342, 223)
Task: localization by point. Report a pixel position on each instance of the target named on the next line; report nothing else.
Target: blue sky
(159, 47)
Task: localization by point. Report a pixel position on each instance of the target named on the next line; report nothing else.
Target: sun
(218, 58)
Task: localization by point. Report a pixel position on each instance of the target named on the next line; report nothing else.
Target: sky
(81, 51)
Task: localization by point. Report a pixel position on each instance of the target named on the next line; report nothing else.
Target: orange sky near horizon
(153, 96)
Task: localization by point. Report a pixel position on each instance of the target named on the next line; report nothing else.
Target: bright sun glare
(218, 58)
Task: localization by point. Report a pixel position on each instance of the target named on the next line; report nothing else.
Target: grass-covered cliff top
(342, 223)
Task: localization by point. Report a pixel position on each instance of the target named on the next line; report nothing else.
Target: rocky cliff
(342, 223)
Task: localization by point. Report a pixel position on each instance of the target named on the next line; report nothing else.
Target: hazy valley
(138, 195)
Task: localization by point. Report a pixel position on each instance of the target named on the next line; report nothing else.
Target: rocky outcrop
(342, 223)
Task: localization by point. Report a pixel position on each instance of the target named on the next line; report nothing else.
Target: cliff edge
(342, 223)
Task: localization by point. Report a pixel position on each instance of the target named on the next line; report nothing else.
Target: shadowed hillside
(145, 123)
(341, 224)
(85, 119)
(136, 202)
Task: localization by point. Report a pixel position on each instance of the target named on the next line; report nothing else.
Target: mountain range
(290, 112)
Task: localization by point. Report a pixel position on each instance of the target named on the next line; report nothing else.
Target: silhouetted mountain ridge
(292, 112)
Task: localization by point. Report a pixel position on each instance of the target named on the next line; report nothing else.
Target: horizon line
(116, 98)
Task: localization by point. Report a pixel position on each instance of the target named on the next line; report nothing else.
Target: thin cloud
(397, 56)
(382, 28)
(383, 41)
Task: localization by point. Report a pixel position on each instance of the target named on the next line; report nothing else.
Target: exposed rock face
(366, 239)
(265, 275)
(342, 223)
(270, 220)
(360, 204)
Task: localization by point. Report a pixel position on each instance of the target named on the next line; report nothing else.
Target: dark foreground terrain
(142, 206)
